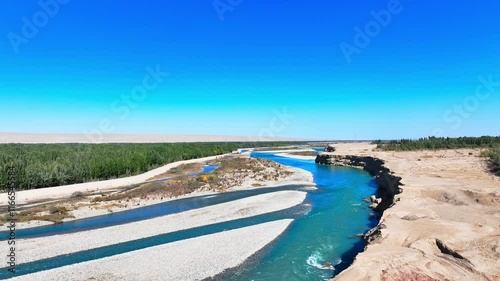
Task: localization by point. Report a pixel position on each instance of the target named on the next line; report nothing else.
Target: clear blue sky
(231, 68)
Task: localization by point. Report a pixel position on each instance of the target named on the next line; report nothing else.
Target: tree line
(46, 165)
(439, 143)
(492, 144)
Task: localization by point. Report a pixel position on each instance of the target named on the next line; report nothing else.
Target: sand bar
(191, 259)
(45, 247)
(301, 157)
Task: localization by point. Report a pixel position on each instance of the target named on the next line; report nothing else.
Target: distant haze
(128, 138)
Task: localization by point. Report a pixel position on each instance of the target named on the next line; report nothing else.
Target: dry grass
(304, 153)
(181, 170)
(52, 213)
(274, 148)
(426, 156)
(77, 195)
(172, 188)
(110, 206)
(231, 172)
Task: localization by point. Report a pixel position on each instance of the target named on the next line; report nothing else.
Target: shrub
(492, 145)
(440, 143)
(58, 210)
(77, 195)
(45, 165)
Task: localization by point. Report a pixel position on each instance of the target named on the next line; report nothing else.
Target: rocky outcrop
(388, 183)
(443, 227)
(330, 148)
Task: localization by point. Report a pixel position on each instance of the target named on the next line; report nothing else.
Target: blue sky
(252, 67)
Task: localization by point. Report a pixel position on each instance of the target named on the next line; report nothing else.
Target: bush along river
(316, 246)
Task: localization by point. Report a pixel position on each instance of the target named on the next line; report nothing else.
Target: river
(316, 246)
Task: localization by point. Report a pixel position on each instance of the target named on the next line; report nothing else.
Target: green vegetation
(493, 154)
(45, 165)
(439, 143)
(491, 143)
(231, 172)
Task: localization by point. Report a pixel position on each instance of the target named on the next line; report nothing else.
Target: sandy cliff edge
(444, 226)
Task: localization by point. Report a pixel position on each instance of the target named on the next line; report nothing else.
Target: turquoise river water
(321, 235)
(318, 237)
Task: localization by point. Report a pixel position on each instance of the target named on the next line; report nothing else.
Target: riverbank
(32, 249)
(444, 226)
(58, 192)
(213, 252)
(191, 259)
(105, 197)
(301, 157)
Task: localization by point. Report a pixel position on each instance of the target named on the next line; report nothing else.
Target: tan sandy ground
(454, 198)
(186, 260)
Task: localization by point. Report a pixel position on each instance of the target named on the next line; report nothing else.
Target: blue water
(206, 170)
(319, 234)
(148, 212)
(323, 234)
(167, 208)
(319, 149)
(134, 245)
